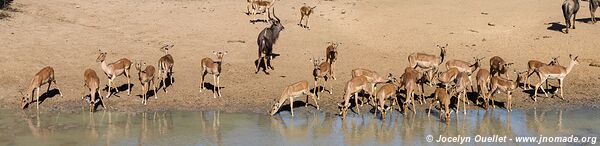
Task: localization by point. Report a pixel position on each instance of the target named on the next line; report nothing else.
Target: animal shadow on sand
(263, 65)
(210, 86)
(586, 20)
(43, 97)
(122, 88)
(556, 26)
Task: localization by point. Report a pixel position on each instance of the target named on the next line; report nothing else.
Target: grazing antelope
(92, 83)
(499, 66)
(502, 84)
(570, 8)
(165, 67)
(331, 56)
(44, 76)
(593, 6)
(213, 67)
(460, 90)
(321, 70)
(259, 5)
(387, 90)
(115, 69)
(534, 64)
(305, 11)
(483, 81)
(556, 72)
(146, 78)
(448, 76)
(266, 39)
(466, 67)
(372, 77)
(293, 91)
(427, 62)
(442, 96)
(355, 85)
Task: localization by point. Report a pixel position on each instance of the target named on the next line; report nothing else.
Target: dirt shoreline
(377, 35)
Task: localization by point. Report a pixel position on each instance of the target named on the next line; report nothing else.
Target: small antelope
(355, 85)
(499, 66)
(305, 11)
(593, 6)
(508, 86)
(556, 72)
(372, 77)
(321, 70)
(92, 83)
(165, 67)
(442, 96)
(331, 56)
(570, 8)
(462, 79)
(44, 76)
(428, 62)
(146, 78)
(115, 69)
(448, 76)
(466, 67)
(293, 91)
(534, 64)
(266, 39)
(483, 81)
(388, 90)
(409, 81)
(213, 67)
(260, 5)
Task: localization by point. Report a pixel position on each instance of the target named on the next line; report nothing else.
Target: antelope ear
(446, 45)
(576, 57)
(570, 56)
(225, 52)
(214, 52)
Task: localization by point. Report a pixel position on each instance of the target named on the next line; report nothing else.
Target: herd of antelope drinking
(423, 69)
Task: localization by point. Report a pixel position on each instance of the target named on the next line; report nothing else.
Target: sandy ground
(377, 35)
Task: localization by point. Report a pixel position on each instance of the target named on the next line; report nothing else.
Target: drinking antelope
(499, 66)
(502, 84)
(409, 81)
(146, 78)
(448, 76)
(331, 56)
(442, 96)
(556, 72)
(483, 81)
(429, 63)
(92, 83)
(115, 69)
(213, 67)
(165, 67)
(355, 85)
(293, 91)
(466, 67)
(460, 90)
(534, 64)
(372, 77)
(44, 76)
(266, 39)
(321, 70)
(305, 11)
(387, 90)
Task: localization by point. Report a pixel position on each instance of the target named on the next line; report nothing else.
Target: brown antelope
(502, 84)
(556, 72)
(442, 96)
(260, 5)
(321, 70)
(448, 76)
(429, 63)
(115, 69)
(293, 91)
(44, 76)
(213, 67)
(388, 90)
(305, 11)
(372, 77)
(466, 67)
(460, 90)
(483, 81)
(146, 78)
(499, 66)
(355, 85)
(331, 56)
(521, 75)
(413, 78)
(534, 64)
(165, 67)
(92, 83)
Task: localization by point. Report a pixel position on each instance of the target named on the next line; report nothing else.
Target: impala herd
(378, 90)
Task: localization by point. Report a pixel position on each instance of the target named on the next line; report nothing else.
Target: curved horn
(275, 15)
